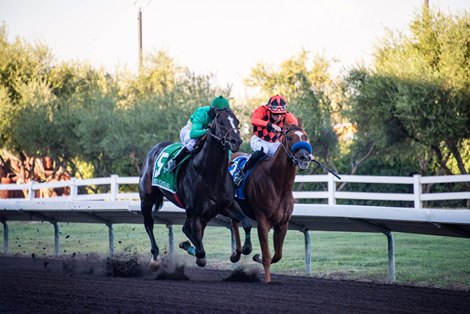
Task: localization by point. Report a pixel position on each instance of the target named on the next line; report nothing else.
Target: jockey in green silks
(196, 128)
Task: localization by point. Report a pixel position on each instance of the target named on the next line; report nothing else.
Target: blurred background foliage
(408, 113)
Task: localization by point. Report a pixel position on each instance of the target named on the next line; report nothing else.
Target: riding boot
(173, 163)
(254, 158)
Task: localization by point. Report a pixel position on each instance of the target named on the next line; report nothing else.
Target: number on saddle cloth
(234, 169)
(237, 164)
(162, 177)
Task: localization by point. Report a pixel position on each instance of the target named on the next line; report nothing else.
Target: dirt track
(32, 285)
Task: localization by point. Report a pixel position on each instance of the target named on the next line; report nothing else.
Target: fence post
(171, 240)
(308, 252)
(331, 190)
(5, 236)
(391, 256)
(73, 189)
(114, 187)
(417, 191)
(111, 239)
(30, 190)
(56, 239)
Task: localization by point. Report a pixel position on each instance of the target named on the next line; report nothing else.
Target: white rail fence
(114, 182)
(120, 204)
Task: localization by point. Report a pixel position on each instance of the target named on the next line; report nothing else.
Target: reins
(288, 153)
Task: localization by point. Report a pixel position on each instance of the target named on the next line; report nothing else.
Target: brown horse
(268, 191)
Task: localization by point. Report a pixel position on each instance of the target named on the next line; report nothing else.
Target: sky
(224, 37)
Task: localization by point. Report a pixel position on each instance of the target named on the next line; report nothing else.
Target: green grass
(419, 259)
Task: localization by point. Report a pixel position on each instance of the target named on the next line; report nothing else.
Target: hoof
(201, 262)
(247, 249)
(154, 265)
(257, 258)
(267, 278)
(185, 245)
(234, 257)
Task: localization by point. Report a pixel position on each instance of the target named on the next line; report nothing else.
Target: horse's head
(224, 127)
(296, 145)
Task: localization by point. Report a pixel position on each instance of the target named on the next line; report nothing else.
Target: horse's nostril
(304, 157)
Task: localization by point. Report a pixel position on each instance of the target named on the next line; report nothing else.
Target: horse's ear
(299, 121)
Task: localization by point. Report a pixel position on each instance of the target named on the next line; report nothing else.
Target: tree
(417, 98)
(23, 69)
(83, 117)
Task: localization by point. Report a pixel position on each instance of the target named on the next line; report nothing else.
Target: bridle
(222, 138)
(299, 145)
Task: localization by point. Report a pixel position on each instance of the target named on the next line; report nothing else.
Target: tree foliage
(80, 115)
(417, 98)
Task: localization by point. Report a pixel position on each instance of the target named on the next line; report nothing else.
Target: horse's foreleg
(146, 208)
(278, 237)
(247, 247)
(187, 245)
(263, 233)
(194, 230)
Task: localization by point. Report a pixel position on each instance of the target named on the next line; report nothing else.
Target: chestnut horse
(268, 194)
(205, 187)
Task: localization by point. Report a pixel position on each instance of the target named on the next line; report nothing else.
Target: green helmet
(220, 103)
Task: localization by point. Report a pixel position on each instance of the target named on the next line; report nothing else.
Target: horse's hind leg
(247, 247)
(234, 212)
(278, 237)
(146, 205)
(235, 257)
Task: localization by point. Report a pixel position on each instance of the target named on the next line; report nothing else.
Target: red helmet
(277, 104)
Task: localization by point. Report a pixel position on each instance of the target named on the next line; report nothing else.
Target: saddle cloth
(235, 167)
(162, 177)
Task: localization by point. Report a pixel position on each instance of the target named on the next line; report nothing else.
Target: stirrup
(172, 165)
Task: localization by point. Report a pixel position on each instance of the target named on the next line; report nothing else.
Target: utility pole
(140, 39)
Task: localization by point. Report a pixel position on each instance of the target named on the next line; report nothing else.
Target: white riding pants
(188, 142)
(268, 147)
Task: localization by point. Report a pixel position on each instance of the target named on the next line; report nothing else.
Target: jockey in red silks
(196, 128)
(268, 120)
